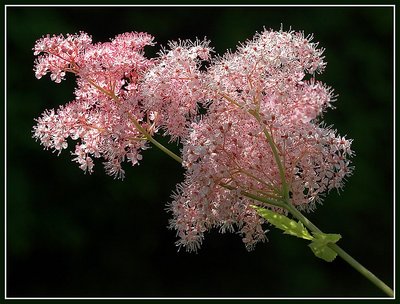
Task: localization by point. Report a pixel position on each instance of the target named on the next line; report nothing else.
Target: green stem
(297, 214)
(343, 254)
(155, 142)
(254, 197)
(285, 187)
(361, 269)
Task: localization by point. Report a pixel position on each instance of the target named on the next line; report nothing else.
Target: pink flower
(101, 116)
(59, 54)
(258, 89)
(174, 87)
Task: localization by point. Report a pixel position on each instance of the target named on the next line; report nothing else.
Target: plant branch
(344, 255)
(155, 142)
(285, 188)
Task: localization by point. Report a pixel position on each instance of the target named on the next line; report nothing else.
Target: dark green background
(70, 234)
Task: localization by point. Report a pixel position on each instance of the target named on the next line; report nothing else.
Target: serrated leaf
(284, 223)
(319, 245)
(326, 237)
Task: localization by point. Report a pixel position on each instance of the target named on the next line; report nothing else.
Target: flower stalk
(285, 188)
(343, 254)
(155, 142)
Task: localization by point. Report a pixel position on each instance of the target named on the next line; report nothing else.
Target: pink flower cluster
(100, 116)
(175, 86)
(261, 133)
(261, 87)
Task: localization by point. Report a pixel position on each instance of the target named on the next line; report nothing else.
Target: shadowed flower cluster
(261, 133)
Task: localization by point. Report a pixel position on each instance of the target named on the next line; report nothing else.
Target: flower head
(174, 87)
(101, 116)
(57, 54)
(261, 135)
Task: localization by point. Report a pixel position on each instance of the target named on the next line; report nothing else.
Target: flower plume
(262, 132)
(261, 101)
(100, 117)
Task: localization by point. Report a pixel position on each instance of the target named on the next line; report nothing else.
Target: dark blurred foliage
(70, 234)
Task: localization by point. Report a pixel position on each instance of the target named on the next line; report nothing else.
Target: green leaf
(284, 223)
(320, 243)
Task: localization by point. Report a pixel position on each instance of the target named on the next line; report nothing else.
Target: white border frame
(194, 298)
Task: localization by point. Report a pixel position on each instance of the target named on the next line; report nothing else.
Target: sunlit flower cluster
(260, 131)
